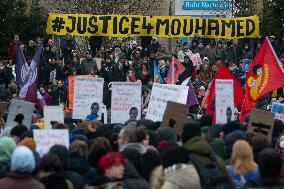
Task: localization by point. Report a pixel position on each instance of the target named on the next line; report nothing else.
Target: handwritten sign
(160, 95)
(224, 106)
(52, 113)
(45, 139)
(20, 107)
(278, 109)
(126, 101)
(175, 113)
(86, 92)
(261, 122)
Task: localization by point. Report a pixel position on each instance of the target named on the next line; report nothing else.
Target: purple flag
(191, 97)
(27, 75)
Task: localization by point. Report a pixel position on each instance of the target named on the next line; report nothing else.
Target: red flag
(265, 75)
(176, 68)
(209, 100)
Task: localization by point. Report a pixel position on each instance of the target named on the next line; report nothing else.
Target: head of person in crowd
(38, 40)
(68, 37)
(142, 135)
(108, 60)
(190, 130)
(137, 54)
(89, 55)
(112, 165)
(212, 43)
(75, 60)
(205, 63)
(78, 148)
(154, 40)
(17, 132)
(219, 44)
(258, 143)
(218, 61)
(63, 154)
(50, 42)
(7, 147)
(99, 147)
(60, 84)
(134, 44)
(185, 47)
(49, 164)
(242, 157)
(127, 135)
(23, 160)
(16, 38)
(32, 44)
(232, 66)
(230, 43)
(52, 61)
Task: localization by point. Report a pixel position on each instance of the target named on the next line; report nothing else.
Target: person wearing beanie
(176, 171)
(17, 132)
(201, 154)
(22, 165)
(7, 146)
(63, 154)
(111, 166)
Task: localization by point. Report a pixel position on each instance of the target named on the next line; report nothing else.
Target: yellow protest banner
(162, 26)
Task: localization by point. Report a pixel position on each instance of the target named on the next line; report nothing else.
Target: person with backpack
(243, 167)
(211, 169)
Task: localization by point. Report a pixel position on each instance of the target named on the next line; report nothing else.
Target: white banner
(20, 107)
(126, 101)
(161, 93)
(52, 113)
(88, 97)
(45, 139)
(224, 105)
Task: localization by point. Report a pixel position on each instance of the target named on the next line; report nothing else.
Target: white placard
(52, 113)
(183, 92)
(126, 101)
(224, 106)
(20, 107)
(87, 91)
(46, 138)
(161, 93)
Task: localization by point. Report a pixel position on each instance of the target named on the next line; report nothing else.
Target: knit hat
(7, 146)
(174, 155)
(167, 133)
(23, 160)
(29, 142)
(190, 130)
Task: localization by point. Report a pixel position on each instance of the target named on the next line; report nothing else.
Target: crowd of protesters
(138, 154)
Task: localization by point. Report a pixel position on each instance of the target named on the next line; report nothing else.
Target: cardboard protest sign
(126, 101)
(161, 26)
(160, 95)
(175, 113)
(88, 97)
(20, 107)
(261, 122)
(46, 138)
(3, 107)
(224, 101)
(52, 113)
(278, 109)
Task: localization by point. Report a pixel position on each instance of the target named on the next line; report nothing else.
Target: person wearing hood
(63, 154)
(79, 162)
(210, 52)
(50, 173)
(22, 165)
(184, 52)
(201, 155)
(7, 146)
(88, 63)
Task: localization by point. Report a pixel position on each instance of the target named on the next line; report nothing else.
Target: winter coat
(4, 168)
(230, 54)
(110, 72)
(260, 183)
(201, 150)
(80, 165)
(240, 180)
(132, 179)
(15, 180)
(153, 48)
(87, 64)
(59, 95)
(210, 53)
(54, 71)
(54, 181)
(218, 146)
(178, 176)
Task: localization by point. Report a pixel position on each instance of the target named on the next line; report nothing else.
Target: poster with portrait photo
(224, 101)
(126, 102)
(88, 97)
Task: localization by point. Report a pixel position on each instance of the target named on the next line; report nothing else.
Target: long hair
(242, 157)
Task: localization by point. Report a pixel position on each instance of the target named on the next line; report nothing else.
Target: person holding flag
(265, 75)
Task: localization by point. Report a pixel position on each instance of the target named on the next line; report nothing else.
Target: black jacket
(59, 95)
(54, 181)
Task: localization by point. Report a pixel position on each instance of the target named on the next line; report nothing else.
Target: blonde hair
(242, 157)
